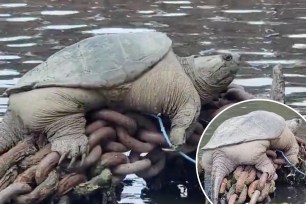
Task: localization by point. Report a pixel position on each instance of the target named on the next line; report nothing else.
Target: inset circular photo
(253, 152)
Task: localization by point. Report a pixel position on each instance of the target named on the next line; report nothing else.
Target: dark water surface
(265, 32)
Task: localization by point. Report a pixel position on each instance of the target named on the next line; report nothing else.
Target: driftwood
(111, 134)
(278, 85)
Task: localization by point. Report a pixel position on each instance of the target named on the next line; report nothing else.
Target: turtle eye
(227, 57)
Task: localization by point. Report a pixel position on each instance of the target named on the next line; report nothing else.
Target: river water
(264, 32)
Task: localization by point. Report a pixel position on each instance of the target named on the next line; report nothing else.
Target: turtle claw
(72, 162)
(83, 159)
(168, 149)
(173, 148)
(63, 157)
(70, 148)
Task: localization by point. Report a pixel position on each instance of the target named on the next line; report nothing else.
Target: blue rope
(288, 162)
(162, 129)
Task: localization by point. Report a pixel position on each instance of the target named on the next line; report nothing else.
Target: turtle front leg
(287, 142)
(12, 131)
(184, 122)
(67, 137)
(265, 165)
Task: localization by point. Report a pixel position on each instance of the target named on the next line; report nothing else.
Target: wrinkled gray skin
(44, 103)
(221, 161)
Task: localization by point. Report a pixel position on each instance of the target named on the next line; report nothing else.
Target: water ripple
(3, 105)
(7, 72)
(15, 38)
(294, 75)
(155, 24)
(254, 82)
(169, 14)
(6, 83)
(296, 36)
(299, 46)
(146, 12)
(175, 2)
(219, 19)
(58, 12)
(186, 7)
(9, 57)
(32, 62)
(117, 30)
(242, 11)
(22, 45)
(21, 19)
(292, 90)
(242, 52)
(12, 5)
(300, 103)
(62, 27)
(263, 23)
(206, 7)
(273, 62)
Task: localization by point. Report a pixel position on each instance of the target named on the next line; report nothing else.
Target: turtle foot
(71, 148)
(266, 166)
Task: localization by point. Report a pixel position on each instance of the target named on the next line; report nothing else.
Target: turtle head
(212, 74)
(292, 154)
(294, 124)
(217, 70)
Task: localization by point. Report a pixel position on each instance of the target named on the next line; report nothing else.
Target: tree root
(42, 191)
(36, 158)
(117, 118)
(68, 182)
(9, 176)
(13, 190)
(111, 135)
(21, 150)
(45, 166)
(246, 184)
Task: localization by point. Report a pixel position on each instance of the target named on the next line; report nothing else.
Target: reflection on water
(264, 32)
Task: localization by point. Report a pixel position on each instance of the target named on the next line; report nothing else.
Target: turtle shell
(256, 125)
(101, 61)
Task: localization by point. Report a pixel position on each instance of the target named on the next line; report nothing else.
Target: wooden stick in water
(278, 85)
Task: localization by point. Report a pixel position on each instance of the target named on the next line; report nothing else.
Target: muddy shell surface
(256, 125)
(101, 61)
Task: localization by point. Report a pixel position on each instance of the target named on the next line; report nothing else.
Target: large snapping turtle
(131, 71)
(244, 140)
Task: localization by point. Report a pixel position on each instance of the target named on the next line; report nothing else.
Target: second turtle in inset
(244, 140)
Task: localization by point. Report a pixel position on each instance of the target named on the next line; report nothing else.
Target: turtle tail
(222, 166)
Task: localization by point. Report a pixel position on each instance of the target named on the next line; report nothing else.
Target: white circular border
(231, 106)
